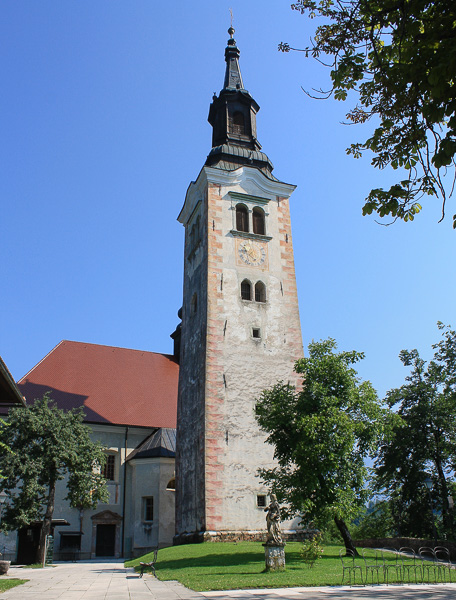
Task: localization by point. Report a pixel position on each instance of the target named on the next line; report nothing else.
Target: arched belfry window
(258, 221)
(246, 290)
(260, 292)
(242, 217)
(238, 123)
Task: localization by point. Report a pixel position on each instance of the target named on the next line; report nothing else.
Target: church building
(240, 334)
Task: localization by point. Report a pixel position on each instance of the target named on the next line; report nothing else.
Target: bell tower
(240, 321)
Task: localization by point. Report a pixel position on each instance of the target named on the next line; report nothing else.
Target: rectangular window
(261, 501)
(109, 468)
(256, 333)
(148, 509)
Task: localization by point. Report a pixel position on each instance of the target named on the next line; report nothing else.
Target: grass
(228, 566)
(7, 584)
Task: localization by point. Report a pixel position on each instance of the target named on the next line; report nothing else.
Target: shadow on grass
(231, 559)
(212, 560)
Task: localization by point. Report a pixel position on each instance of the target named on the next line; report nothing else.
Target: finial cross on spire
(231, 29)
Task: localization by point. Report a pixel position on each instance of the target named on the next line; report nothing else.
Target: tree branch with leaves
(399, 58)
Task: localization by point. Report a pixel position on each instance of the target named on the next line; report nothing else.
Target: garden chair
(442, 562)
(427, 558)
(391, 562)
(374, 564)
(149, 565)
(348, 564)
(409, 563)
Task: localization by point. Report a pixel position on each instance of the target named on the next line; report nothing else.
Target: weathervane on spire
(231, 29)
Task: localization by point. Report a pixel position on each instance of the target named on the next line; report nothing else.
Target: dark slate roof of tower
(158, 444)
(233, 77)
(232, 115)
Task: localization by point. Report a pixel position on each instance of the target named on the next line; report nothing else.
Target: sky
(103, 113)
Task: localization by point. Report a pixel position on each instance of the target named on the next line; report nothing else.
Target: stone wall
(240, 536)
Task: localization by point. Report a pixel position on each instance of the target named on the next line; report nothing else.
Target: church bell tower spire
(233, 77)
(232, 115)
(241, 331)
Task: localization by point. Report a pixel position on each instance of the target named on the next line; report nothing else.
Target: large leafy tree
(322, 433)
(399, 57)
(47, 444)
(424, 442)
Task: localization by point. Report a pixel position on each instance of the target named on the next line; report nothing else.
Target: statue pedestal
(274, 556)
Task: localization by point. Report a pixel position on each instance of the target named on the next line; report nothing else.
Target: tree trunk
(349, 545)
(46, 527)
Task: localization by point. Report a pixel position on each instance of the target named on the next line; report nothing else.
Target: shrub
(312, 549)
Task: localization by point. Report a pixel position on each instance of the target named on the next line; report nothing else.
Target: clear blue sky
(104, 109)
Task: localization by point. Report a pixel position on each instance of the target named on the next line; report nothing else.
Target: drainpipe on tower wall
(124, 491)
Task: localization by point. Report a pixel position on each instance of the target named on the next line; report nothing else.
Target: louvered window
(242, 218)
(260, 292)
(238, 123)
(258, 221)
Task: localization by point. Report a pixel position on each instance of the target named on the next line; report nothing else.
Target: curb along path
(109, 580)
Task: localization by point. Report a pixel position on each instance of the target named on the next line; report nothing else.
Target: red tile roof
(114, 385)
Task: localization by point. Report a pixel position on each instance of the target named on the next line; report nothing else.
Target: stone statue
(274, 537)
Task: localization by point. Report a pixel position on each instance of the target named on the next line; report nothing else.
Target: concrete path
(382, 592)
(109, 580)
(90, 580)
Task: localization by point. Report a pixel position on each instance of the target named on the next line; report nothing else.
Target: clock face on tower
(251, 253)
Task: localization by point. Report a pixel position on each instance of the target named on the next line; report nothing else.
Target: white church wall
(149, 478)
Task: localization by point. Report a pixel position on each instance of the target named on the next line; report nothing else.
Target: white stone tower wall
(236, 366)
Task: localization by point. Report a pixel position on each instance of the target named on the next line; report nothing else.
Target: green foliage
(47, 444)
(321, 435)
(400, 60)
(312, 549)
(423, 442)
(375, 522)
(330, 533)
(3, 446)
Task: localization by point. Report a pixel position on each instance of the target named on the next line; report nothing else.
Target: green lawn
(227, 566)
(7, 584)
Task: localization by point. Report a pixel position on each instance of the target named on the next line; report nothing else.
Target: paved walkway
(109, 580)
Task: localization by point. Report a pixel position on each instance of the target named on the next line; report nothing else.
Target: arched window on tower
(258, 221)
(246, 290)
(260, 292)
(238, 123)
(242, 217)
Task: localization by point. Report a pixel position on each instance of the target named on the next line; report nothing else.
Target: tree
(375, 522)
(424, 442)
(47, 444)
(3, 446)
(399, 57)
(321, 434)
